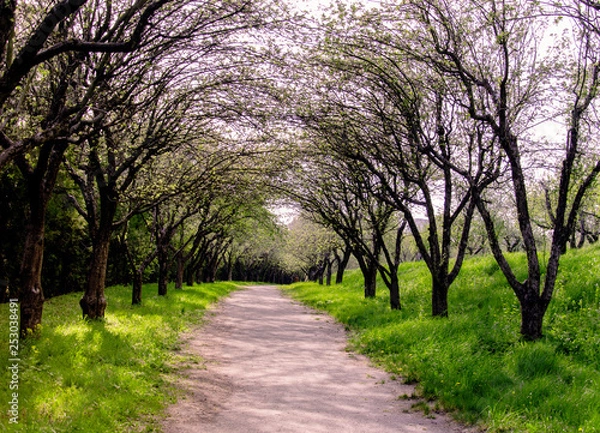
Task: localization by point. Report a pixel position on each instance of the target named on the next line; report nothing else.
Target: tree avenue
(163, 138)
(105, 85)
(447, 104)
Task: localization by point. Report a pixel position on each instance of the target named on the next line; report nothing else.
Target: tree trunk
(180, 272)
(532, 317)
(136, 293)
(189, 277)
(439, 297)
(321, 273)
(213, 267)
(339, 275)
(211, 273)
(93, 303)
(163, 268)
(328, 273)
(369, 269)
(31, 295)
(370, 275)
(40, 185)
(342, 264)
(230, 271)
(395, 291)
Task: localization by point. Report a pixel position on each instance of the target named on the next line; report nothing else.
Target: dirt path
(273, 365)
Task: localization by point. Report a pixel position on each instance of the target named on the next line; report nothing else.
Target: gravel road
(270, 364)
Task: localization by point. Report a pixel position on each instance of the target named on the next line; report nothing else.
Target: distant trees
(341, 195)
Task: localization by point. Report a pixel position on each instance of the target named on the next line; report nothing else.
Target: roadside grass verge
(109, 376)
(474, 364)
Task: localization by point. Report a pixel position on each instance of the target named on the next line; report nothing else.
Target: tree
(157, 109)
(110, 159)
(139, 247)
(339, 194)
(254, 237)
(47, 119)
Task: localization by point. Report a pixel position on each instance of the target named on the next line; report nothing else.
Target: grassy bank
(114, 376)
(474, 363)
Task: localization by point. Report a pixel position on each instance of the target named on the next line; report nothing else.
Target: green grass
(474, 364)
(110, 376)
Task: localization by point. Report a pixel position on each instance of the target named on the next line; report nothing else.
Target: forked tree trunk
(342, 263)
(369, 269)
(93, 303)
(532, 318)
(370, 274)
(40, 185)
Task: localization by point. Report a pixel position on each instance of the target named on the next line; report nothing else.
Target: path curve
(273, 365)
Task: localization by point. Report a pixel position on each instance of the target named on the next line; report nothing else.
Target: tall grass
(97, 377)
(474, 363)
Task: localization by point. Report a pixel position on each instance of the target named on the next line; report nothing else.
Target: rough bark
(93, 303)
(40, 185)
(342, 263)
(533, 309)
(439, 296)
(31, 296)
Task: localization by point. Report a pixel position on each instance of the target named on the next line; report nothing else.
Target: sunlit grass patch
(114, 375)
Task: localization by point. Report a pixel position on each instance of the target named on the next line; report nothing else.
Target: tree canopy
(157, 140)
